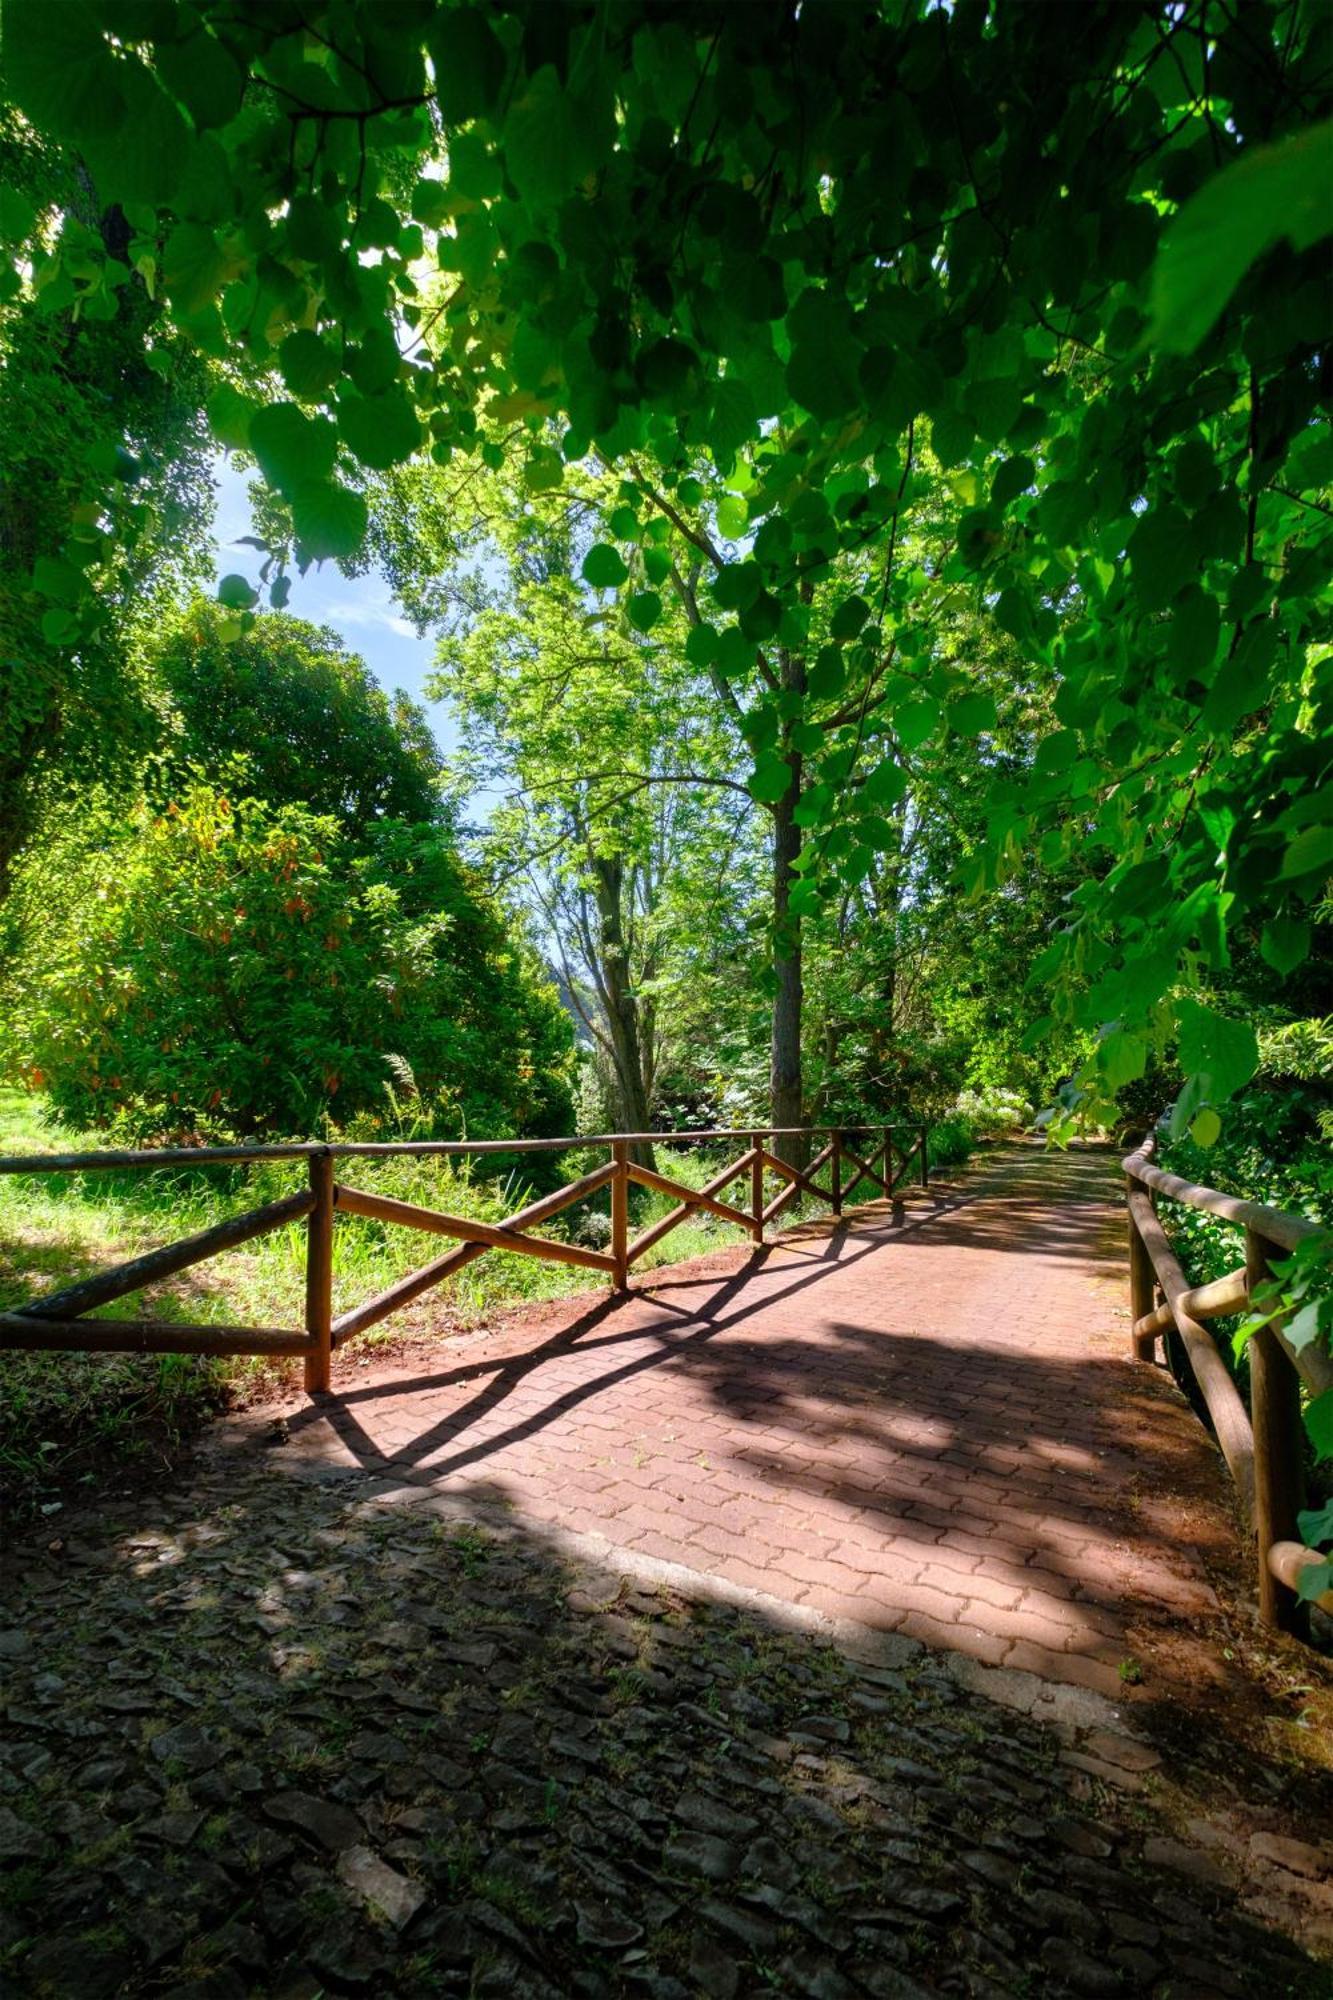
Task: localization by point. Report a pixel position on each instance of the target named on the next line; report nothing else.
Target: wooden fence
(1264, 1447)
(57, 1322)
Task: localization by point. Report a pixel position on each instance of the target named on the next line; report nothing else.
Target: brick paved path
(922, 1418)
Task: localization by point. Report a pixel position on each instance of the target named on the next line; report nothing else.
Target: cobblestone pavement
(268, 1737)
(923, 1419)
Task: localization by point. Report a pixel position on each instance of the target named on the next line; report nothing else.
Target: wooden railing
(56, 1321)
(1264, 1447)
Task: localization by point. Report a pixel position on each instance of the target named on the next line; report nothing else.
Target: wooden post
(620, 1215)
(757, 1187)
(1279, 1446)
(319, 1274)
(925, 1155)
(1141, 1298)
(888, 1157)
(835, 1173)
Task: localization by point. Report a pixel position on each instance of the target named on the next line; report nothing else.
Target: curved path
(922, 1419)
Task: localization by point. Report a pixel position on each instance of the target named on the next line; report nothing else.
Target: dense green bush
(245, 969)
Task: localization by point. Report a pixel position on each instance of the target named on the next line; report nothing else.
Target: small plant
(1131, 1672)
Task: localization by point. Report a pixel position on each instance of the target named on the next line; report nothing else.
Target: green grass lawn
(67, 1419)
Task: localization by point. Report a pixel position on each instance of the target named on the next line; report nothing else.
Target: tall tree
(301, 715)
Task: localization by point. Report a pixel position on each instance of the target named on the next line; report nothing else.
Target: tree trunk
(786, 1097)
(622, 1014)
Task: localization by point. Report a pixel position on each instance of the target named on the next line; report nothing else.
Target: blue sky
(362, 609)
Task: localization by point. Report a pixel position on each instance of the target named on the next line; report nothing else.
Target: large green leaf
(1277, 192)
(1223, 1054)
(604, 567)
(381, 430)
(330, 519)
(290, 446)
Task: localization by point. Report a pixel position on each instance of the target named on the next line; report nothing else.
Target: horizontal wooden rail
(164, 1263)
(145, 1336)
(57, 1321)
(1274, 1224)
(384, 1208)
(404, 1290)
(1264, 1447)
(108, 1158)
(1286, 1561)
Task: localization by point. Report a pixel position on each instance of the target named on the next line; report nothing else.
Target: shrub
(245, 969)
(993, 1113)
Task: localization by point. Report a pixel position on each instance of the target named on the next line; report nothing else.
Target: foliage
(787, 248)
(88, 427)
(286, 713)
(242, 967)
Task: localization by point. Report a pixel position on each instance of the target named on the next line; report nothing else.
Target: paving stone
(332, 1826)
(384, 1891)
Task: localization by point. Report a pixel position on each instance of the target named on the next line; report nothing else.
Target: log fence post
(620, 1214)
(887, 1160)
(319, 1275)
(757, 1186)
(925, 1155)
(835, 1171)
(1279, 1445)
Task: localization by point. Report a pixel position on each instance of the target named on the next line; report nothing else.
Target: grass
(73, 1420)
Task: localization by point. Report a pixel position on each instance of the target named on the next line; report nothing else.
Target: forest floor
(391, 1726)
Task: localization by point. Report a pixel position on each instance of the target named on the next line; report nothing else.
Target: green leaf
(1275, 192)
(1284, 943)
(205, 77)
(1206, 1128)
(194, 269)
(1196, 626)
(1013, 478)
(1162, 558)
(237, 594)
(770, 779)
(885, 784)
(58, 67)
(469, 64)
(330, 519)
(971, 714)
(643, 610)
(732, 421)
(1316, 1525)
(309, 365)
(381, 430)
(917, 720)
(1319, 1424)
(1122, 1058)
(733, 517)
(849, 617)
(1221, 1053)
(603, 567)
(541, 146)
(1310, 853)
(290, 446)
(1313, 1581)
(229, 417)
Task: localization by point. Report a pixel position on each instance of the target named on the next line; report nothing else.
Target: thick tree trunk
(786, 1096)
(622, 1014)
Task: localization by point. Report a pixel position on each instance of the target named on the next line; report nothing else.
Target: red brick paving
(922, 1418)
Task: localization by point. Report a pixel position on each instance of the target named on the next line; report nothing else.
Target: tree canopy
(762, 261)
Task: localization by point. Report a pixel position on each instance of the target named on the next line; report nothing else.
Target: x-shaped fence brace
(57, 1322)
